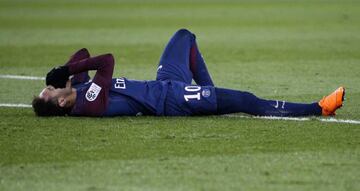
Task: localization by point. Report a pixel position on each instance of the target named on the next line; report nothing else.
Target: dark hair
(48, 108)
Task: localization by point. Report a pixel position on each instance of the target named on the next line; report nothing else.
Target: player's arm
(96, 97)
(78, 56)
(58, 79)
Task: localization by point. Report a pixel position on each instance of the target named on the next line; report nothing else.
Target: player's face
(52, 94)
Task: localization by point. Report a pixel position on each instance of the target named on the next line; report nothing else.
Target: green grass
(292, 50)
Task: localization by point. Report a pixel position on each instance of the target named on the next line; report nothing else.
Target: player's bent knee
(182, 32)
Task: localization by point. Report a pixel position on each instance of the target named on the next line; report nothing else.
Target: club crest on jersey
(92, 92)
(206, 93)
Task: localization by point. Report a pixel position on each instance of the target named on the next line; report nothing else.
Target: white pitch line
(340, 121)
(283, 118)
(15, 105)
(331, 120)
(17, 77)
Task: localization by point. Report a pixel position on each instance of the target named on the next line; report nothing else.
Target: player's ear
(61, 101)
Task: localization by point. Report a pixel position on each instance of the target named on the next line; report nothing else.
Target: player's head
(53, 101)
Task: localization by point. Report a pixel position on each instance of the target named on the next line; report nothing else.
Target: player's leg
(198, 67)
(185, 100)
(233, 101)
(182, 61)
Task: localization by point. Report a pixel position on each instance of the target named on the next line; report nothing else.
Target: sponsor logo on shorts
(92, 92)
(206, 93)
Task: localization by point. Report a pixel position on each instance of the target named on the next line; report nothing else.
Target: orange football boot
(332, 102)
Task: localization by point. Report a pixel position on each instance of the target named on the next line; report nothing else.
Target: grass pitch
(293, 50)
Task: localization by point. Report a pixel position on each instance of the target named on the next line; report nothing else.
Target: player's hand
(58, 77)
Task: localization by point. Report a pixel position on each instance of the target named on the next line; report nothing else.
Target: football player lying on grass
(171, 94)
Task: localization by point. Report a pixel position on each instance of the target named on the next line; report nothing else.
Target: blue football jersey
(126, 97)
(107, 96)
(132, 97)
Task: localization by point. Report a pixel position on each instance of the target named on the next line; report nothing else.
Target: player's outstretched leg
(233, 101)
(182, 61)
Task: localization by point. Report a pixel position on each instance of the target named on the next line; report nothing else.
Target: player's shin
(233, 101)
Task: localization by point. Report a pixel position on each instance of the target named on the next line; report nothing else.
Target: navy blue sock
(233, 101)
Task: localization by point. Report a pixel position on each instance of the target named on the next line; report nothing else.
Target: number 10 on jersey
(192, 92)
